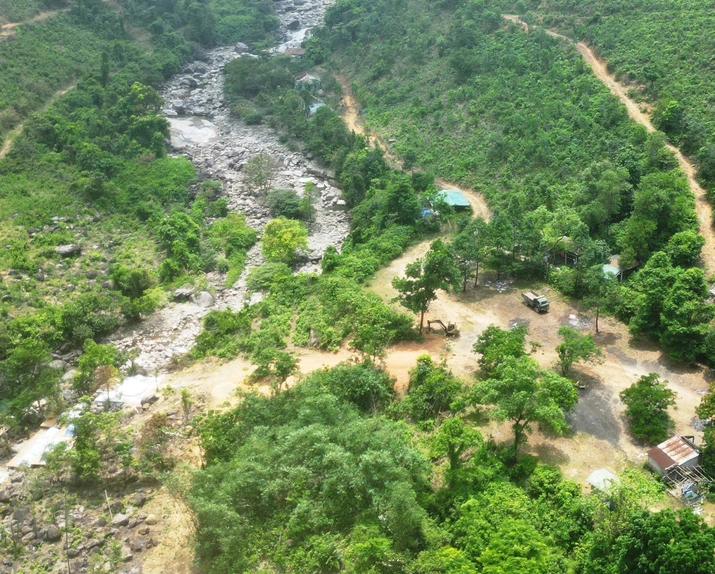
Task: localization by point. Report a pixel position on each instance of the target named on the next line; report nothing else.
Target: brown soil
(175, 554)
(702, 205)
(9, 29)
(600, 436)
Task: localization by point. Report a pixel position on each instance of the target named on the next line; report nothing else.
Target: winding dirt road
(351, 117)
(598, 422)
(702, 206)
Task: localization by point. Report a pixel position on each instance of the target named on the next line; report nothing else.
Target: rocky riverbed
(219, 146)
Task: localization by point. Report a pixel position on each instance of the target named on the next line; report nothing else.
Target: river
(218, 145)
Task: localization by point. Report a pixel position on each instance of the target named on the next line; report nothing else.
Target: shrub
(284, 202)
(647, 401)
(432, 390)
(261, 278)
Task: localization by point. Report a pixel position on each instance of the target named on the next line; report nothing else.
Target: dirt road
(351, 116)
(10, 29)
(702, 205)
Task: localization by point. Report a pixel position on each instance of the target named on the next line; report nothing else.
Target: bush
(263, 277)
(647, 401)
(284, 202)
(365, 385)
(282, 238)
(432, 390)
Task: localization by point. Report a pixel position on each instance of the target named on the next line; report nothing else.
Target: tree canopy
(423, 278)
(521, 392)
(647, 402)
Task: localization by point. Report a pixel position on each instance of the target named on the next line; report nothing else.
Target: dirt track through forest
(351, 116)
(702, 206)
(600, 434)
(10, 28)
(11, 136)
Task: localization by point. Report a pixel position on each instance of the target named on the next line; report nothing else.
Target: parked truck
(538, 303)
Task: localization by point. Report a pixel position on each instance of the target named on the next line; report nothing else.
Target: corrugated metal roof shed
(674, 451)
(607, 268)
(454, 197)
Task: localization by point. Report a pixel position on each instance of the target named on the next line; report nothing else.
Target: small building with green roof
(455, 199)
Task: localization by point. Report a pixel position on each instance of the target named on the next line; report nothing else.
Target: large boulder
(120, 520)
(53, 534)
(126, 554)
(241, 48)
(204, 299)
(68, 250)
(139, 499)
(183, 293)
(149, 399)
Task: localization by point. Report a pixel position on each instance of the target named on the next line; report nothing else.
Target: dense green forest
(334, 475)
(19, 10)
(663, 47)
(521, 118)
(338, 473)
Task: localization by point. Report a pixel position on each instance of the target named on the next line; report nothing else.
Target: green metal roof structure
(611, 269)
(454, 198)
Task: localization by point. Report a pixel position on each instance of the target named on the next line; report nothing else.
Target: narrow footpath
(702, 205)
(10, 28)
(11, 136)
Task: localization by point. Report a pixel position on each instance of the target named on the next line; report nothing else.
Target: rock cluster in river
(219, 146)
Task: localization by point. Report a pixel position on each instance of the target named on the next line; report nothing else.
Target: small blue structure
(613, 267)
(312, 108)
(454, 199)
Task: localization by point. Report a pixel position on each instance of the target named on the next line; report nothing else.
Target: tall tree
(495, 344)
(432, 389)
(523, 393)
(601, 292)
(452, 440)
(574, 348)
(469, 246)
(706, 411)
(685, 315)
(516, 548)
(423, 278)
(666, 541)
(26, 379)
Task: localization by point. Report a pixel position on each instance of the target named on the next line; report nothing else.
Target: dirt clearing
(600, 435)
